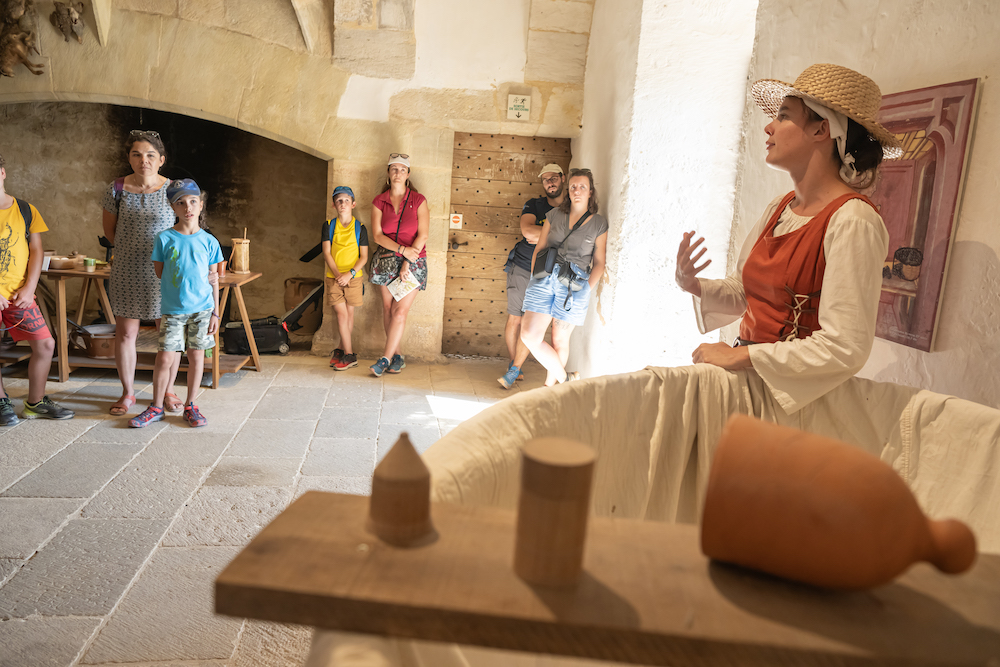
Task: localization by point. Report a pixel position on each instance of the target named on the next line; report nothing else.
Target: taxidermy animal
(67, 19)
(28, 24)
(14, 51)
(11, 10)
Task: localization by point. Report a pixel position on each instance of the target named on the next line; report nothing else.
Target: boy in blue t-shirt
(182, 259)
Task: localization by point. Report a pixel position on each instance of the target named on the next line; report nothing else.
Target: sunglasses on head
(144, 133)
(402, 155)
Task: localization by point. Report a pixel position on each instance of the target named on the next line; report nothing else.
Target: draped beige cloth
(655, 432)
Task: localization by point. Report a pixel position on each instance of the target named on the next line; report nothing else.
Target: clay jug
(818, 511)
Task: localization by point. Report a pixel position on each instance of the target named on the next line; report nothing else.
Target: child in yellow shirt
(345, 251)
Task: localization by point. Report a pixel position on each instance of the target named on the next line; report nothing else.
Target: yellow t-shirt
(14, 247)
(344, 246)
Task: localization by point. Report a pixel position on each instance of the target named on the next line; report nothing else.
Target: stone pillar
(661, 130)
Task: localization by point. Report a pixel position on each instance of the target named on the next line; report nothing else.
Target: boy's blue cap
(179, 188)
(342, 190)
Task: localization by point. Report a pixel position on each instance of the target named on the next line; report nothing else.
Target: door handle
(455, 244)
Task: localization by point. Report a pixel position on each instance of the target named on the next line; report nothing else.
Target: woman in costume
(808, 278)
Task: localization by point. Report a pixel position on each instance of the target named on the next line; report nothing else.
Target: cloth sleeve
(215, 251)
(723, 301)
(157, 255)
(109, 202)
(363, 238)
(801, 370)
(37, 223)
(325, 233)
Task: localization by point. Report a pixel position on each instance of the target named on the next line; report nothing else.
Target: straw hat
(841, 89)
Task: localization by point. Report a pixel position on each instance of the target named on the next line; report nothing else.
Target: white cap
(399, 158)
(551, 167)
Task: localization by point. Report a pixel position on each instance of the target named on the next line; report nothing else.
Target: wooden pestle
(399, 511)
(552, 513)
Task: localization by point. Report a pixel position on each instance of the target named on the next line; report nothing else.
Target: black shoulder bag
(545, 261)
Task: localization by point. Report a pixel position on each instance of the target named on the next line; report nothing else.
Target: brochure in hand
(400, 288)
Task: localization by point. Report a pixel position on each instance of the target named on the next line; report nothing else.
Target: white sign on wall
(518, 107)
(456, 221)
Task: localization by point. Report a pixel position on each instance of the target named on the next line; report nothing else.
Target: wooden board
(506, 143)
(477, 288)
(464, 313)
(489, 219)
(146, 361)
(648, 596)
(473, 265)
(521, 167)
(502, 194)
(473, 342)
(12, 354)
(482, 243)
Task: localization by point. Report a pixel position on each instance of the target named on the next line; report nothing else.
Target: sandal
(121, 407)
(172, 403)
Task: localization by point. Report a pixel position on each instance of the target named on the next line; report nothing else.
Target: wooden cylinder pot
(239, 261)
(818, 511)
(552, 513)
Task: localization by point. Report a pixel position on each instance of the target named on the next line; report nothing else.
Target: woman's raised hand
(688, 269)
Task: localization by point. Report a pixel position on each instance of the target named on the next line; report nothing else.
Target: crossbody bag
(385, 261)
(545, 261)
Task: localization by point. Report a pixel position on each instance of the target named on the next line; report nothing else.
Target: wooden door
(493, 176)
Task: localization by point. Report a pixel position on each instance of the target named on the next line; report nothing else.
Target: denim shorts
(549, 297)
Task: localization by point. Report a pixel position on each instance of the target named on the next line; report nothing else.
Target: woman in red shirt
(400, 222)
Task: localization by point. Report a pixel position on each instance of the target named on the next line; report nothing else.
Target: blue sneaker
(397, 364)
(379, 367)
(520, 376)
(510, 377)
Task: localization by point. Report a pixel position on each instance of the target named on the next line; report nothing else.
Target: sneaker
(510, 377)
(46, 409)
(520, 375)
(7, 415)
(397, 364)
(345, 362)
(379, 367)
(337, 355)
(193, 416)
(147, 417)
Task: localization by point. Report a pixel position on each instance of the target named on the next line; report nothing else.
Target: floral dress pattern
(134, 289)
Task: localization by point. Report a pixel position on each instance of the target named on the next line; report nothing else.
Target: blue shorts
(548, 297)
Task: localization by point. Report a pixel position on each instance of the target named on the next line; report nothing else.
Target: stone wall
(264, 67)
(904, 45)
(62, 156)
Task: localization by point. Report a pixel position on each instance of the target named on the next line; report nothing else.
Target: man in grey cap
(518, 266)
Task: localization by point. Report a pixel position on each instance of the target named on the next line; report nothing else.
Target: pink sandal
(172, 403)
(121, 407)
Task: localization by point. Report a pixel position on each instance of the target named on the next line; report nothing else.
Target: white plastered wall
(905, 45)
(663, 101)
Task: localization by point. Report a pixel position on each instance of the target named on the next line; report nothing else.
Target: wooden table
(648, 595)
(67, 360)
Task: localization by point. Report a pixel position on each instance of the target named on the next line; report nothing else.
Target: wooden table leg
(246, 326)
(84, 293)
(102, 295)
(63, 342)
(217, 353)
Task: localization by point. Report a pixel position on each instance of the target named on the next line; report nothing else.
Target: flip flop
(121, 407)
(171, 402)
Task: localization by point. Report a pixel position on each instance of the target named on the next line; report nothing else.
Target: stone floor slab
(78, 471)
(44, 642)
(272, 645)
(354, 393)
(128, 495)
(8, 566)
(272, 438)
(307, 377)
(409, 412)
(421, 435)
(290, 403)
(185, 448)
(10, 474)
(356, 486)
(340, 457)
(27, 522)
(117, 430)
(168, 613)
(393, 393)
(83, 571)
(226, 516)
(348, 422)
(254, 471)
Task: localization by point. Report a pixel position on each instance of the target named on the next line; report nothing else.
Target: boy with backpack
(21, 252)
(345, 251)
(182, 257)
